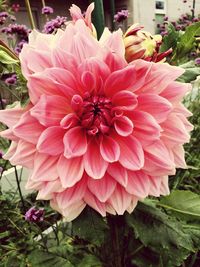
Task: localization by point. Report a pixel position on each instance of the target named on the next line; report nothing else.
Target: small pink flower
(98, 131)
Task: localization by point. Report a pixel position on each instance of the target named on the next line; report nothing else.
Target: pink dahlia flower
(98, 131)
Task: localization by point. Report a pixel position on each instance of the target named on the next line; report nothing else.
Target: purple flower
(193, 54)
(19, 46)
(34, 215)
(165, 18)
(20, 30)
(54, 24)
(197, 61)
(11, 79)
(47, 10)
(121, 15)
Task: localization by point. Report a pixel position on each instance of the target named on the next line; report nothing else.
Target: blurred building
(147, 12)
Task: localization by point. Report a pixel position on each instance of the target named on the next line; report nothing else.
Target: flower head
(47, 10)
(34, 215)
(15, 7)
(53, 25)
(197, 61)
(98, 131)
(121, 15)
(141, 44)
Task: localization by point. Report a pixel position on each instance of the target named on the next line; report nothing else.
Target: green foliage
(170, 40)
(191, 72)
(5, 58)
(184, 204)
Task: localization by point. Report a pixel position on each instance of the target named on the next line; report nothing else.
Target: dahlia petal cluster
(98, 131)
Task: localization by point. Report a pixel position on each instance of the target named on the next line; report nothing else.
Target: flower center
(94, 113)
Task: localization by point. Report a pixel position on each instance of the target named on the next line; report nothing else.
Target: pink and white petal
(48, 189)
(174, 130)
(119, 173)
(44, 168)
(155, 105)
(70, 171)
(75, 142)
(131, 153)
(164, 188)
(28, 128)
(94, 203)
(138, 184)
(24, 154)
(73, 211)
(49, 110)
(179, 108)
(94, 164)
(155, 185)
(11, 151)
(113, 41)
(102, 188)
(133, 204)
(39, 60)
(120, 200)
(146, 128)
(179, 156)
(34, 185)
(123, 125)
(120, 80)
(175, 91)
(109, 149)
(189, 127)
(51, 141)
(72, 194)
(8, 134)
(114, 61)
(11, 116)
(158, 157)
(125, 100)
(69, 121)
(63, 59)
(88, 15)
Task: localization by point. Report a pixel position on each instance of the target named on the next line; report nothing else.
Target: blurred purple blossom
(197, 61)
(19, 46)
(54, 24)
(15, 7)
(47, 10)
(34, 215)
(9, 78)
(121, 15)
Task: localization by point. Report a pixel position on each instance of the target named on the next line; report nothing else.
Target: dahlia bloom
(141, 44)
(98, 131)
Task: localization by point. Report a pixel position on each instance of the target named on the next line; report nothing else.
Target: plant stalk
(19, 188)
(30, 14)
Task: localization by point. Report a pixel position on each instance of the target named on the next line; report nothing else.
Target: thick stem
(115, 225)
(30, 14)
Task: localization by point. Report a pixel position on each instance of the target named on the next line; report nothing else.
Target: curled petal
(123, 126)
(125, 100)
(110, 150)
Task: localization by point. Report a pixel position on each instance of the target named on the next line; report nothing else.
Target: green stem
(30, 14)
(19, 188)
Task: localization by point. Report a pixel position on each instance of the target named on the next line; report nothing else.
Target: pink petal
(75, 12)
(123, 125)
(157, 157)
(131, 153)
(64, 60)
(155, 184)
(48, 189)
(51, 141)
(119, 173)
(133, 204)
(146, 129)
(109, 149)
(49, 110)
(155, 105)
(125, 100)
(39, 60)
(75, 142)
(120, 200)
(28, 128)
(120, 80)
(88, 15)
(70, 171)
(11, 151)
(44, 168)
(24, 155)
(175, 91)
(8, 134)
(102, 188)
(174, 130)
(93, 202)
(94, 164)
(179, 156)
(11, 116)
(69, 121)
(138, 184)
(164, 188)
(72, 195)
(114, 61)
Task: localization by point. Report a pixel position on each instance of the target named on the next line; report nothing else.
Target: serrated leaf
(184, 204)
(161, 233)
(171, 39)
(38, 258)
(90, 226)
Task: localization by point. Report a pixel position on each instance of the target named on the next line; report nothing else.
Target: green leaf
(90, 261)
(191, 72)
(39, 258)
(187, 40)
(184, 204)
(161, 234)
(171, 39)
(6, 58)
(90, 226)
